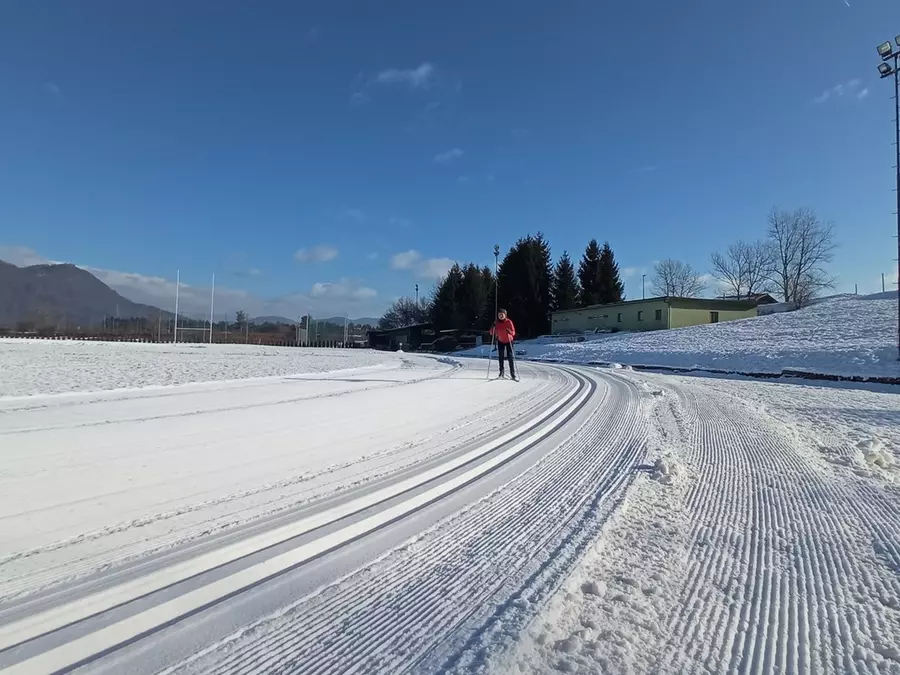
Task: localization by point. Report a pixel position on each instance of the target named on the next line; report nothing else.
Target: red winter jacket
(504, 330)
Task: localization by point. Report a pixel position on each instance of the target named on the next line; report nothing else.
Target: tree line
(527, 284)
(789, 261)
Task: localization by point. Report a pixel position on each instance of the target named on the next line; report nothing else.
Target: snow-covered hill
(845, 335)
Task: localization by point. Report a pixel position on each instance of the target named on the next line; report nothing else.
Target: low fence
(257, 341)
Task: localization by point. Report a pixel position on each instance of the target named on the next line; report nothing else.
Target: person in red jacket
(505, 332)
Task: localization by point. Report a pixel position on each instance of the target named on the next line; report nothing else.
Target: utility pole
(417, 295)
(882, 282)
(643, 287)
(889, 52)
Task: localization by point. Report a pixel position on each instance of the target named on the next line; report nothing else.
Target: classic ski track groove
(515, 411)
(341, 629)
(562, 411)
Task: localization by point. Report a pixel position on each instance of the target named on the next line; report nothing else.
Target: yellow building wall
(680, 317)
(631, 317)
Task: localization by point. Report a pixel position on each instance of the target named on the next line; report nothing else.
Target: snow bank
(29, 367)
(843, 336)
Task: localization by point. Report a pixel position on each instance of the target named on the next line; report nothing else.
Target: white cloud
(448, 156)
(862, 94)
(435, 268)
(52, 88)
(405, 260)
(343, 289)
(414, 78)
(320, 253)
(22, 256)
(629, 272)
(425, 268)
(839, 90)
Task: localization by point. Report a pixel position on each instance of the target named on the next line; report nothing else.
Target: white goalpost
(212, 302)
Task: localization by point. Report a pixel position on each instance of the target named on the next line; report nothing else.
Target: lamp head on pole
(886, 50)
(496, 250)
(885, 69)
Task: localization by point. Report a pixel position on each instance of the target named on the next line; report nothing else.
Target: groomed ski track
(392, 573)
(467, 542)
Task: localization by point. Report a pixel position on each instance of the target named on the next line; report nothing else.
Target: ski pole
(489, 359)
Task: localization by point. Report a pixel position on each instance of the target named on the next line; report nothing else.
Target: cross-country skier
(505, 332)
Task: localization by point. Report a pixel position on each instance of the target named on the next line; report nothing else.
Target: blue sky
(295, 149)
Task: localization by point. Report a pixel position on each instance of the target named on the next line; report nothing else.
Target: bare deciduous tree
(744, 268)
(673, 278)
(404, 312)
(802, 246)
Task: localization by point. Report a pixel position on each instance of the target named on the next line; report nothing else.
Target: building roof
(696, 303)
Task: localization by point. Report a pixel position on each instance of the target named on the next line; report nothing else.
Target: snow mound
(876, 453)
(665, 470)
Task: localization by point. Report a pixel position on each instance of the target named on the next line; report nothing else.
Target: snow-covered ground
(389, 513)
(844, 335)
(53, 366)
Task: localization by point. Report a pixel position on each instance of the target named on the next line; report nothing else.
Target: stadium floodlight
(897, 40)
(885, 69)
(886, 50)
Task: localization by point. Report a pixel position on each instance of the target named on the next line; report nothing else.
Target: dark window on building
(620, 318)
(659, 315)
(640, 315)
(714, 317)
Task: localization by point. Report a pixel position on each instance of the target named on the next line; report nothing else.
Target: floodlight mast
(890, 65)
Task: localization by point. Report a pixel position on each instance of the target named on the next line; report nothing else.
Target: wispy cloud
(463, 179)
(372, 256)
(22, 256)
(343, 289)
(313, 34)
(862, 94)
(425, 268)
(52, 89)
(448, 156)
(631, 272)
(359, 98)
(352, 214)
(399, 221)
(838, 91)
(420, 77)
(320, 253)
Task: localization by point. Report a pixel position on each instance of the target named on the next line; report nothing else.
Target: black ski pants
(506, 348)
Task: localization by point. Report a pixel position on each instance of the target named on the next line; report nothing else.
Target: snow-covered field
(845, 335)
(387, 513)
(51, 366)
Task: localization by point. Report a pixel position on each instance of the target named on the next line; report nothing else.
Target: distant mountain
(50, 294)
(272, 319)
(339, 320)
